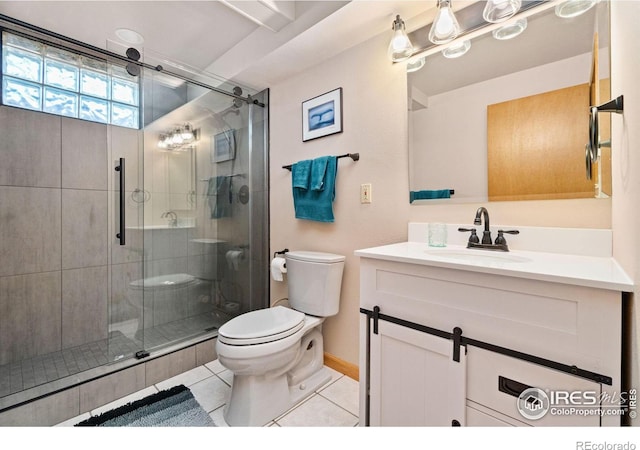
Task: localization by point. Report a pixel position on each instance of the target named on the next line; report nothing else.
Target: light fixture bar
(473, 25)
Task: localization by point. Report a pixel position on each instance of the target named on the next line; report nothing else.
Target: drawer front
(480, 416)
(495, 381)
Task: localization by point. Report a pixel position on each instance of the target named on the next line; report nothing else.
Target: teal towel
(318, 170)
(317, 205)
(300, 173)
(219, 196)
(429, 195)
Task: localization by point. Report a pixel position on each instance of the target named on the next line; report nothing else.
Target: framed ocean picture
(322, 115)
(223, 146)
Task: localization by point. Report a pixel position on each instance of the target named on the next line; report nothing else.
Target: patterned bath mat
(175, 407)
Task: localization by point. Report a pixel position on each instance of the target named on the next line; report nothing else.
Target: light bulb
(573, 8)
(500, 10)
(510, 30)
(415, 65)
(457, 50)
(400, 47)
(176, 138)
(445, 27)
(187, 132)
(162, 141)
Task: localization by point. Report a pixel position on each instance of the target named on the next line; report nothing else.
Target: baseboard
(342, 366)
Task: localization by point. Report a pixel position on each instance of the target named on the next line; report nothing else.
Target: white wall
(625, 133)
(449, 137)
(375, 125)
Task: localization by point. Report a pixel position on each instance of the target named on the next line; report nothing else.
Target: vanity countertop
(589, 271)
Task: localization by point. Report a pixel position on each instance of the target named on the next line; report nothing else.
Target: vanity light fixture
(469, 23)
(445, 27)
(510, 30)
(573, 8)
(415, 64)
(500, 10)
(457, 50)
(400, 47)
(179, 139)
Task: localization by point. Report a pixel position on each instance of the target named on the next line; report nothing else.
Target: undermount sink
(474, 255)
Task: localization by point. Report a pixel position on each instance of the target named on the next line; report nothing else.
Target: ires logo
(535, 403)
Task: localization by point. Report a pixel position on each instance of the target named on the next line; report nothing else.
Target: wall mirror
(509, 120)
(170, 155)
(181, 179)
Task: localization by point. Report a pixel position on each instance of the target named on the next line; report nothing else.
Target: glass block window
(43, 78)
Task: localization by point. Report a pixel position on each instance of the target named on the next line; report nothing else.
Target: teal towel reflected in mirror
(429, 194)
(317, 203)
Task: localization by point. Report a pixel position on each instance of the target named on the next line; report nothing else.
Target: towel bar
(206, 180)
(354, 156)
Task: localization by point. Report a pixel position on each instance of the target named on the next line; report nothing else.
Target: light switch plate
(365, 193)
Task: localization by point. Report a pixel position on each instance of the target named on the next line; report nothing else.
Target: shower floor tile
(38, 370)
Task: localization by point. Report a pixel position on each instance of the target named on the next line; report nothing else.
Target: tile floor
(333, 405)
(38, 370)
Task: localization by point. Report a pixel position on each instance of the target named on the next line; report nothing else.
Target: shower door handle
(120, 169)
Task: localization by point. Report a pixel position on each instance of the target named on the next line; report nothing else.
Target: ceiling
(224, 38)
(221, 37)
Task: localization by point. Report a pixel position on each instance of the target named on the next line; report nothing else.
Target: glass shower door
(126, 239)
(205, 242)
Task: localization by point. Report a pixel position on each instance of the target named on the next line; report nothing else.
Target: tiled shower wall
(57, 250)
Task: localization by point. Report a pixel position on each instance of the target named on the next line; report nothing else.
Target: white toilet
(163, 298)
(276, 354)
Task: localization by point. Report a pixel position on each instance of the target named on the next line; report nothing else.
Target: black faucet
(486, 234)
(486, 244)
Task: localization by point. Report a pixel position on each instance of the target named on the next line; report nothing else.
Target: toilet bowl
(276, 354)
(162, 298)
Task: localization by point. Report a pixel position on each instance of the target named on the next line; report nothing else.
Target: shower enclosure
(133, 209)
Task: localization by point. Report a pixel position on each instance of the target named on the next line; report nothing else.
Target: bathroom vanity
(453, 336)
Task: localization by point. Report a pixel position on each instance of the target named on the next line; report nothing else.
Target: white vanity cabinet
(447, 343)
(414, 379)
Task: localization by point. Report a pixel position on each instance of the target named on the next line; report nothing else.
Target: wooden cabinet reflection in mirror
(536, 146)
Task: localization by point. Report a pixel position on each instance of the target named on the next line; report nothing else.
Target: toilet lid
(261, 326)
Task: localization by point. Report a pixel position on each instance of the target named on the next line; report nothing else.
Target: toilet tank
(315, 280)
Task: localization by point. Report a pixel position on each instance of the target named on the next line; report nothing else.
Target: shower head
(231, 110)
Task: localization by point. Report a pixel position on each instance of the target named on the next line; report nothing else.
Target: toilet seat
(172, 280)
(261, 326)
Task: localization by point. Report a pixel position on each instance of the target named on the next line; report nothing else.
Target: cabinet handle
(376, 317)
(457, 342)
(511, 387)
